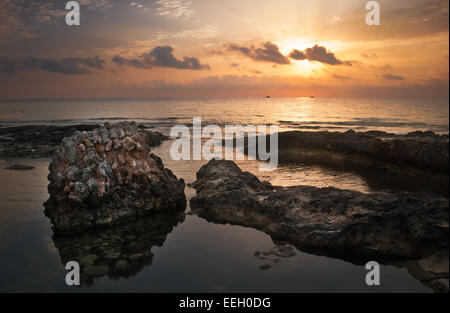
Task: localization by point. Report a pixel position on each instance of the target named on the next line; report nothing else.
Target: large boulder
(346, 224)
(414, 152)
(104, 176)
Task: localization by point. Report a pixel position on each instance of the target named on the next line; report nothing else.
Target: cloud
(392, 77)
(96, 4)
(399, 20)
(319, 54)
(369, 55)
(341, 77)
(21, 19)
(139, 7)
(24, 18)
(386, 67)
(62, 66)
(175, 9)
(268, 52)
(161, 56)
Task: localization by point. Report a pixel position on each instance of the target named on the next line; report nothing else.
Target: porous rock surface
(340, 223)
(103, 176)
(416, 151)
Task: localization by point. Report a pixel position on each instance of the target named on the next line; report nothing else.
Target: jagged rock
(90, 186)
(37, 141)
(341, 223)
(421, 151)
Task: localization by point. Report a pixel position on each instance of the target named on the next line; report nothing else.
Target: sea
(198, 255)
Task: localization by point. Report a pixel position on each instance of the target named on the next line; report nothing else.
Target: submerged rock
(338, 223)
(90, 186)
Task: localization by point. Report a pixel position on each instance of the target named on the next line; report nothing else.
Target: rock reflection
(120, 251)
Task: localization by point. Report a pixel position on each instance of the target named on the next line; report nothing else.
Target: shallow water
(197, 255)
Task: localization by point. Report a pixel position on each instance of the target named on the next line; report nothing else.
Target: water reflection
(118, 251)
(431, 271)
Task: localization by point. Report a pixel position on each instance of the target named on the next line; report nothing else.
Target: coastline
(415, 267)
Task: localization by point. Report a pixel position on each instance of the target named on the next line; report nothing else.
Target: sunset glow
(235, 46)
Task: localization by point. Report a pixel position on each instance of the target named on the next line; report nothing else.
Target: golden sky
(165, 48)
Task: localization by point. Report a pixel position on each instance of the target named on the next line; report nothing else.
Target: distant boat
(267, 97)
(312, 97)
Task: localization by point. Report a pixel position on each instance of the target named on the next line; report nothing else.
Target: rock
(37, 141)
(129, 144)
(117, 144)
(347, 224)
(19, 167)
(109, 146)
(420, 151)
(90, 193)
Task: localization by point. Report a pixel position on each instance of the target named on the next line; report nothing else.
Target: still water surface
(198, 256)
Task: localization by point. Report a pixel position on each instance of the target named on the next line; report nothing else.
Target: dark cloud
(63, 66)
(161, 56)
(268, 52)
(386, 67)
(392, 77)
(341, 77)
(369, 55)
(319, 54)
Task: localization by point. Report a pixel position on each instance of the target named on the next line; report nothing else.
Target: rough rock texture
(117, 251)
(423, 151)
(101, 177)
(341, 223)
(37, 141)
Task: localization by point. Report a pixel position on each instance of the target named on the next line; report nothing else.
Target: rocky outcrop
(339, 223)
(117, 251)
(40, 141)
(104, 176)
(417, 151)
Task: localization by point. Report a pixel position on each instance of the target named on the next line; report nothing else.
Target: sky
(176, 48)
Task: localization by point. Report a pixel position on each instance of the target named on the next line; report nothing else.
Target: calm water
(196, 255)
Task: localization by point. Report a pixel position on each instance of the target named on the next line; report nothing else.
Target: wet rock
(129, 144)
(340, 223)
(88, 188)
(37, 141)
(421, 151)
(19, 167)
